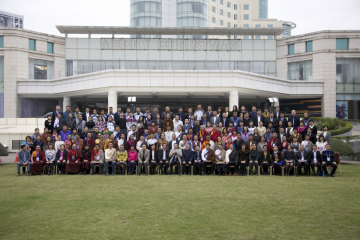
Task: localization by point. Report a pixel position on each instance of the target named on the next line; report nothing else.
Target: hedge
(347, 128)
(342, 148)
(3, 151)
(346, 125)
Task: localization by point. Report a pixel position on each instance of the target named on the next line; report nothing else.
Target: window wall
(40, 69)
(300, 70)
(82, 67)
(1, 86)
(348, 88)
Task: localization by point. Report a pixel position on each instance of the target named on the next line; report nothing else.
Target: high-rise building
(205, 13)
(11, 20)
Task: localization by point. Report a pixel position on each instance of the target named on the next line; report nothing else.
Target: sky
(309, 15)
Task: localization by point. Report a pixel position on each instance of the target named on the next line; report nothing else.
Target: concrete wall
(16, 61)
(17, 129)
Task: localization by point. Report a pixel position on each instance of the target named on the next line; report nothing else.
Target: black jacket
(156, 156)
(298, 156)
(311, 156)
(262, 157)
(121, 122)
(160, 154)
(234, 156)
(57, 157)
(187, 155)
(238, 144)
(325, 154)
(254, 155)
(256, 122)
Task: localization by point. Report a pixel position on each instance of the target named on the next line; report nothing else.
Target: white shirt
(177, 134)
(58, 145)
(227, 155)
(168, 135)
(198, 114)
(203, 153)
(120, 142)
(110, 126)
(151, 141)
(315, 160)
(152, 154)
(176, 124)
(131, 132)
(217, 152)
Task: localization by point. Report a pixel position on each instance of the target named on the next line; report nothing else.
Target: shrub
(342, 148)
(335, 126)
(3, 151)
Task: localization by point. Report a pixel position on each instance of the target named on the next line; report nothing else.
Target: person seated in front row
(243, 159)
(187, 158)
(289, 159)
(232, 156)
(197, 160)
(110, 157)
(121, 160)
(153, 158)
(73, 164)
(97, 157)
(38, 161)
(24, 158)
(328, 158)
(302, 160)
(163, 157)
(254, 160)
(315, 159)
(175, 158)
(220, 155)
(132, 160)
(277, 160)
(264, 159)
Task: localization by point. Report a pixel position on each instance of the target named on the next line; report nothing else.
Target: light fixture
(131, 99)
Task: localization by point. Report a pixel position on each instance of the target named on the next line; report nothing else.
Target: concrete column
(66, 102)
(233, 99)
(112, 100)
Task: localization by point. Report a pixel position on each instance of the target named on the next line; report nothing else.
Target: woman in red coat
(37, 161)
(73, 164)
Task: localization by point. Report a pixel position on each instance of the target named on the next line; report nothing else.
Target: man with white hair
(294, 119)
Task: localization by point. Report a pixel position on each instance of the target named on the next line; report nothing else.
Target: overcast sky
(309, 15)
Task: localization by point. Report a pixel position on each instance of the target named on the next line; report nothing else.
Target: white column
(234, 99)
(66, 102)
(112, 100)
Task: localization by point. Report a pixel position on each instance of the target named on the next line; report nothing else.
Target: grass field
(174, 207)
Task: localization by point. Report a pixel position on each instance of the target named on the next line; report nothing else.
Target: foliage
(3, 151)
(341, 147)
(348, 138)
(47, 110)
(335, 126)
(174, 207)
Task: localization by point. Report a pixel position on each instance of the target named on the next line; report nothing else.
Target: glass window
(1, 41)
(270, 37)
(222, 2)
(246, 37)
(257, 37)
(228, 14)
(235, 16)
(309, 46)
(235, 25)
(221, 12)
(214, 0)
(246, 25)
(50, 47)
(213, 9)
(32, 44)
(213, 20)
(291, 49)
(246, 16)
(235, 37)
(40, 69)
(229, 4)
(258, 25)
(221, 22)
(342, 44)
(300, 70)
(228, 24)
(348, 70)
(235, 6)
(270, 25)
(246, 6)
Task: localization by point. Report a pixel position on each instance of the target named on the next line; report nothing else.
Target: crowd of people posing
(199, 142)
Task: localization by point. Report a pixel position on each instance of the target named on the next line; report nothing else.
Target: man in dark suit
(154, 113)
(189, 114)
(283, 119)
(173, 142)
(271, 119)
(197, 161)
(214, 120)
(258, 117)
(328, 158)
(224, 120)
(302, 159)
(186, 127)
(181, 115)
(163, 158)
(86, 115)
(209, 113)
(277, 113)
(253, 112)
(187, 158)
(55, 113)
(238, 142)
(117, 114)
(208, 155)
(315, 159)
(167, 111)
(294, 119)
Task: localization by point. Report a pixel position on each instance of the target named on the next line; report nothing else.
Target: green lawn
(174, 207)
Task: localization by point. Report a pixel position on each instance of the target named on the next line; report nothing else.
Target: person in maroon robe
(86, 158)
(90, 141)
(73, 164)
(37, 161)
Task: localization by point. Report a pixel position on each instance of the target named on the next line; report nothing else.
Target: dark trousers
(186, 169)
(306, 166)
(49, 167)
(177, 164)
(93, 167)
(153, 167)
(85, 165)
(212, 167)
(61, 166)
(251, 164)
(132, 166)
(228, 167)
(236, 168)
(222, 167)
(265, 167)
(121, 167)
(242, 168)
(277, 168)
(145, 164)
(107, 167)
(318, 164)
(197, 167)
(332, 164)
(164, 164)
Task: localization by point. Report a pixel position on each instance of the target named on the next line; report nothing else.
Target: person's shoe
(229, 174)
(138, 174)
(235, 174)
(251, 174)
(106, 174)
(27, 174)
(204, 174)
(147, 174)
(219, 174)
(223, 174)
(171, 173)
(332, 175)
(326, 175)
(212, 174)
(18, 174)
(306, 175)
(256, 174)
(189, 174)
(297, 175)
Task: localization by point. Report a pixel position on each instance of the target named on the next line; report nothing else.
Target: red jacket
(77, 156)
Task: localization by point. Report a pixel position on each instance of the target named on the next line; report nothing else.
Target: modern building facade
(11, 20)
(204, 13)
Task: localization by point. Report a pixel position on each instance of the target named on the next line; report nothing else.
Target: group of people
(200, 141)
